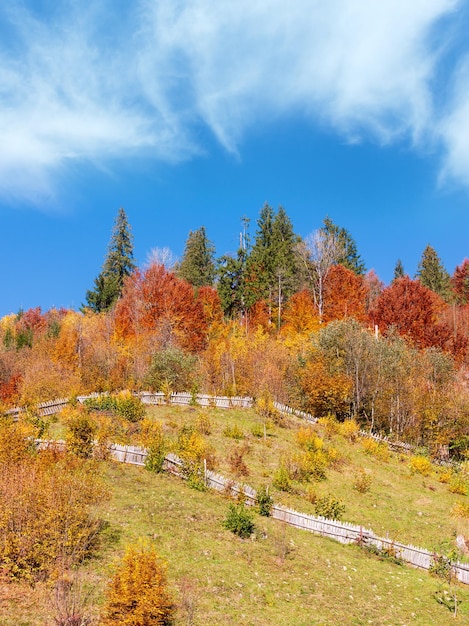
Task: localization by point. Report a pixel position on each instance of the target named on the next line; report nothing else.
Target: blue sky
(196, 113)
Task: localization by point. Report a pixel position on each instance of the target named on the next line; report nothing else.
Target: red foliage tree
(414, 311)
(157, 301)
(460, 282)
(344, 295)
(259, 315)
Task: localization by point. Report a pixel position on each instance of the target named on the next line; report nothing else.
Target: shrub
(233, 431)
(237, 462)
(80, 433)
(152, 437)
(458, 485)
(330, 425)
(307, 439)
(376, 449)
(445, 475)
(129, 407)
(123, 404)
(138, 594)
(174, 368)
(257, 431)
(420, 465)
(281, 479)
(349, 429)
(193, 449)
(203, 424)
(264, 407)
(362, 481)
(330, 507)
(461, 509)
(48, 513)
(239, 520)
(264, 501)
(308, 465)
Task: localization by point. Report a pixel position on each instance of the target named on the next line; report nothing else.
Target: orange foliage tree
(344, 295)
(460, 283)
(300, 314)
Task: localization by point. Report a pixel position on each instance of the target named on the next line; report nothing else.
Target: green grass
(409, 508)
(283, 576)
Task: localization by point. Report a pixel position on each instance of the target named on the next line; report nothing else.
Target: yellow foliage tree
(138, 594)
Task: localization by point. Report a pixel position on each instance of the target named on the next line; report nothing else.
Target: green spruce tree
(117, 265)
(432, 273)
(399, 270)
(349, 257)
(197, 265)
(272, 266)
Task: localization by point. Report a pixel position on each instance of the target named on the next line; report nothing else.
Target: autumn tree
(197, 265)
(432, 273)
(117, 266)
(159, 303)
(231, 283)
(344, 295)
(373, 286)
(460, 283)
(300, 314)
(413, 310)
(271, 271)
(138, 594)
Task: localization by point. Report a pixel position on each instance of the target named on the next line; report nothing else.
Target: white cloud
(454, 128)
(93, 85)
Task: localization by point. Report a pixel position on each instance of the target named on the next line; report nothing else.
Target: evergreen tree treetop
(349, 257)
(432, 273)
(197, 265)
(399, 270)
(117, 265)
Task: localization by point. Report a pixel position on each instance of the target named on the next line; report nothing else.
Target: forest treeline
(298, 319)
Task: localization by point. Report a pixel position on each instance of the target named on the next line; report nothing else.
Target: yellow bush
(445, 475)
(307, 439)
(420, 465)
(47, 512)
(458, 485)
(461, 509)
(349, 429)
(376, 449)
(138, 594)
(330, 424)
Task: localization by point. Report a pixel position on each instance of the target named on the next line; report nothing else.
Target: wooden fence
(343, 532)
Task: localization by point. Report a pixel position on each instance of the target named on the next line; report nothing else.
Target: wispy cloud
(92, 85)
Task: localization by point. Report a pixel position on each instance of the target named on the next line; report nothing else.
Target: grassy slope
(410, 508)
(284, 576)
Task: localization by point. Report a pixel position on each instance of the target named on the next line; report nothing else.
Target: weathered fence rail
(204, 400)
(343, 532)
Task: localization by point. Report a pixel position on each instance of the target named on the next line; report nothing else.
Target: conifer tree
(197, 265)
(272, 267)
(230, 284)
(117, 265)
(349, 257)
(399, 270)
(432, 274)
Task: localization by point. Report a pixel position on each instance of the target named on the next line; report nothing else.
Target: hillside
(280, 575)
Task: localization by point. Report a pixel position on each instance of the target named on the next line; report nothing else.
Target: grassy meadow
(280, 576)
